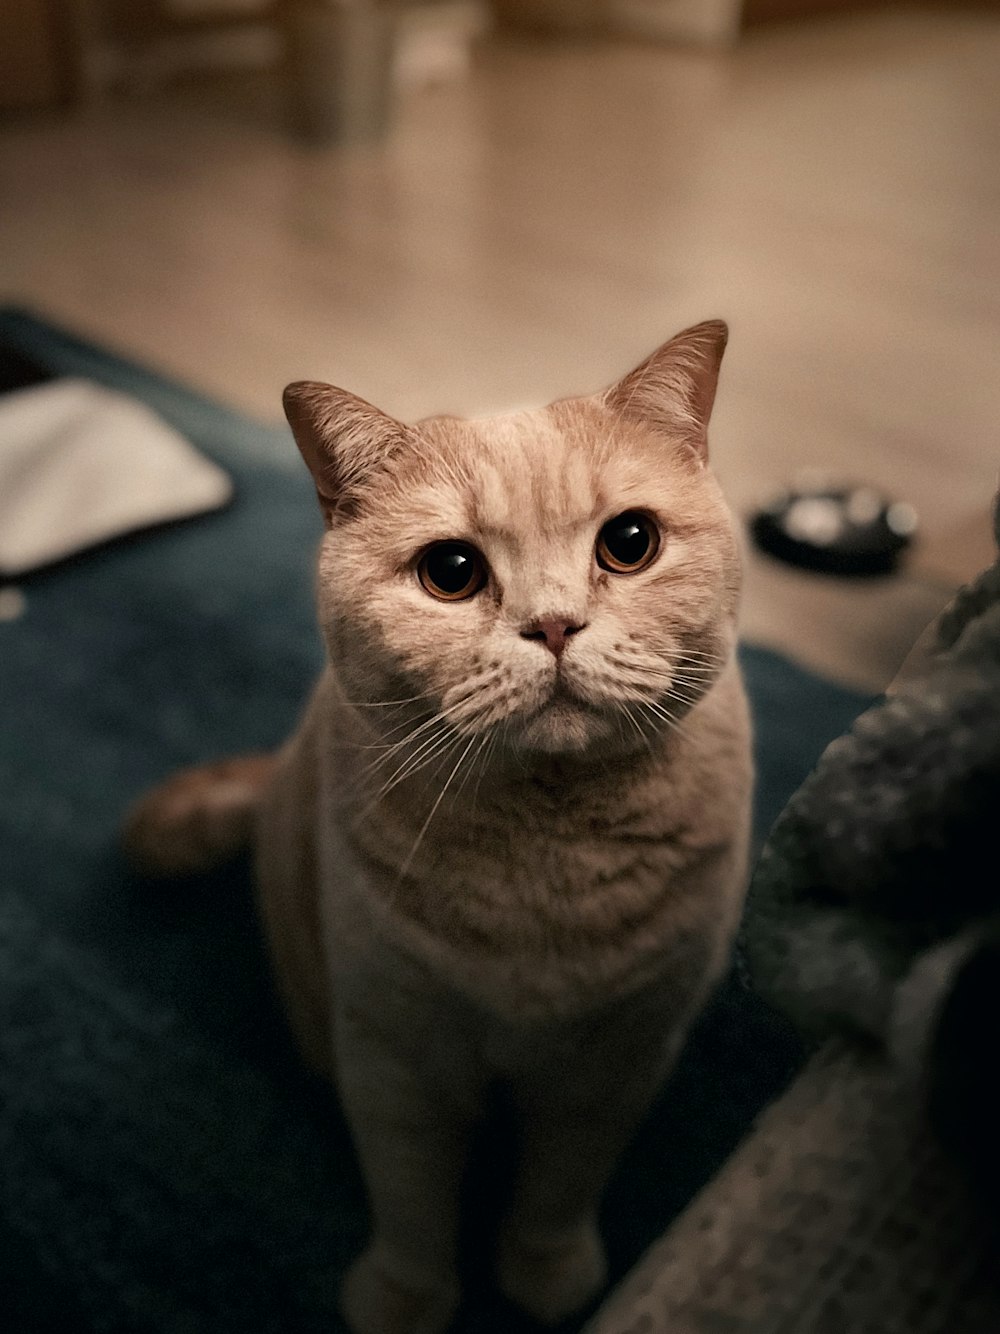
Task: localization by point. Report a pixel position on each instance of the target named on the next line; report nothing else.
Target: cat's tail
(199, 818)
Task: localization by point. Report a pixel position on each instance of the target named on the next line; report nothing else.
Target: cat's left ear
(343, 439)
(674, 389)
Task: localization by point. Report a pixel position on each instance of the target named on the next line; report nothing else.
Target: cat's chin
(563, 727)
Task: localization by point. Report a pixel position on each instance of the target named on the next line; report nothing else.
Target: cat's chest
(551, 895)
(537, 840)
(531, 882)
(566, 860)
(532, 921)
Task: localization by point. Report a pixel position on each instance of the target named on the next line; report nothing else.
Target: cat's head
(565, 579)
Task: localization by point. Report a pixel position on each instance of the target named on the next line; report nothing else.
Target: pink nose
(553, 633)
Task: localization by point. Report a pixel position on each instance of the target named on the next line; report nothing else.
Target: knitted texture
(838, 1215)
(887, 852)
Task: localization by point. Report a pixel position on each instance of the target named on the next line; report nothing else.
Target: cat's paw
(554, 1277)
(379, 1297)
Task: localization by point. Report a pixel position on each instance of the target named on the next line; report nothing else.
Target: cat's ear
(342, 439)
(674, 389)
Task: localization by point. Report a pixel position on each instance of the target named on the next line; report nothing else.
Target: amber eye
(627, 543)
(452, 571)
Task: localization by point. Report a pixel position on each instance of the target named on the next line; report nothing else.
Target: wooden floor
(832, 189)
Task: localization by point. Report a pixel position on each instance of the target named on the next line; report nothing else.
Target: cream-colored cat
(507, 843)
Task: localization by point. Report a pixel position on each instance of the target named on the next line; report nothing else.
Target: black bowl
(841, 530)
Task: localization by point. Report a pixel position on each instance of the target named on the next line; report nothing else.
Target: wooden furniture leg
(338, 68)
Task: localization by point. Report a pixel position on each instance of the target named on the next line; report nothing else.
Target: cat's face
(559, 580)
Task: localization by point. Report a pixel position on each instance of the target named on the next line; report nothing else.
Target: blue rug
(165, 1165)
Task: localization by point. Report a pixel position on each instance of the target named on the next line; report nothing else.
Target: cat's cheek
(439, 646)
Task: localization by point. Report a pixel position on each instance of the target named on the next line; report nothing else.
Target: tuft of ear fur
(674, 389)
(342, 439)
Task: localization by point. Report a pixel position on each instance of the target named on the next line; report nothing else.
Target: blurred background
(448, 205)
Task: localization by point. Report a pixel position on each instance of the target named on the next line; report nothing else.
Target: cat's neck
(565, 778)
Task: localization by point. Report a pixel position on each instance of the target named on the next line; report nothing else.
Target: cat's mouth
(564, 693)
(565, 697)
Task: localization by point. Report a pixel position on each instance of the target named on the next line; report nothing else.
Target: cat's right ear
(674, 389)
(342, 439)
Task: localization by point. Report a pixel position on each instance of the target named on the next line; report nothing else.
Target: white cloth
(80, 464)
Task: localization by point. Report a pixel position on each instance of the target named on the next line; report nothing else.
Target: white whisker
(431, 747)
(393, 748)
(433, 811)
(385, 703)
(638, 727)
(485, 754)
(656, 711)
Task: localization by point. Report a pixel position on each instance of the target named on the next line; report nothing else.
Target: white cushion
(80, 464)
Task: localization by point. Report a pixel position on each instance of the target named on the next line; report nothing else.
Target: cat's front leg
(575, 1122)
(412, 1143)
(551, 1258)
(382, 1294)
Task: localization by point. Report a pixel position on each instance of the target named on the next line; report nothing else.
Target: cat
(507, 844)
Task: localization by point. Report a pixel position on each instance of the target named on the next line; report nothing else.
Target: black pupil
(451, 567)
(627, 538)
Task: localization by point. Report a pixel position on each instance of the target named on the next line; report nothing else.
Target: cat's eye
(627, 543)
(451, 571)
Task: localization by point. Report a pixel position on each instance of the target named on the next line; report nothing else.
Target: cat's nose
(552, 632)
